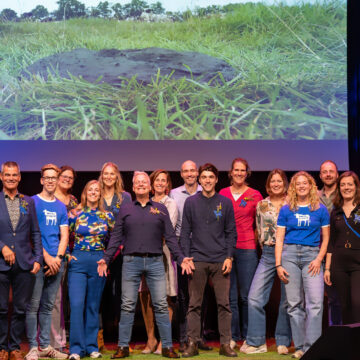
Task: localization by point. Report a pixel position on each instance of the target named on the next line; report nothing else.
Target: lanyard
(355, 232)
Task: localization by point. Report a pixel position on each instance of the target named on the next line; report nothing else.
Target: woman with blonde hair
(298, 258)
(90, 226)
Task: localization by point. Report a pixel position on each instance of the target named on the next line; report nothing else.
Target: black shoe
(169, 353)
(203, 346)
(121, 352)
(182, 347)
(191, 350)
(226, 350)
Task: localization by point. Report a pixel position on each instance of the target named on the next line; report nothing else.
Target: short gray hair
(9, 164)
(138, 173)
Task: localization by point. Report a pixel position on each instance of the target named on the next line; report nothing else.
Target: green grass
(291, 84)
(270, 355)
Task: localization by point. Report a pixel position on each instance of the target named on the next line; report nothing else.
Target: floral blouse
(266, 220)
(73, 203)
(90, 228)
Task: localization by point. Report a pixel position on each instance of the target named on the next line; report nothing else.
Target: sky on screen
(21, 6)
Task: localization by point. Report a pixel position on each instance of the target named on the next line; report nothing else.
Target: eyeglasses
(68, 178)
(50, 179)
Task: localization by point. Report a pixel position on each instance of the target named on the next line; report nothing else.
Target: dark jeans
(242, 273)
(183, 304)
(22, 283)
(197, 283)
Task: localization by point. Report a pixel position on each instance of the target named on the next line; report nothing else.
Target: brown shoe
(121, 352)
(4, 355)
(203, 346)
(226, 350)
(182, 347)
(16, 355)
(169, 353)
(191, 350)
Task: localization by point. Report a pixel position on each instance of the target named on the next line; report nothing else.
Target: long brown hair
(313, 196)
(339, 200)
(153, 177)
(283, 177)
(83, 203)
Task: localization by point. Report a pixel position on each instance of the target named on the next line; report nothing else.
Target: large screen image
(226, 75)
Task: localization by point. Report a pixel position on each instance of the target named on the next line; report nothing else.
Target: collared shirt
(327, 201)
(180, 194)
(341, 233)
(208, 230)
(140, 230)
(172, 208)
(13, 206)
(266, 219)
(115, 205)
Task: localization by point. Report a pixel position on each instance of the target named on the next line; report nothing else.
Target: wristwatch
(60, 256)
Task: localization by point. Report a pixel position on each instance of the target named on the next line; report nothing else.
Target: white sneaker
(74, 357)
(244, 346)
(95, 355)
(282, 350)
(32, 354)
(297, 354)
(233, 344)
(255, 349)
(50, 353)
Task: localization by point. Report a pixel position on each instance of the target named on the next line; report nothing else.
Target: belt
(144, 254)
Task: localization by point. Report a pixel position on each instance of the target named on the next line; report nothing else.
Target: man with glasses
(140, 227)
(53, 222)
(20, 258)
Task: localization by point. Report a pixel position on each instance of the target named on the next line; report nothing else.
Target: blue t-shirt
(51, 216)
(303, 227)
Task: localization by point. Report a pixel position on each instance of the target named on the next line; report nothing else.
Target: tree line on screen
(68, 9)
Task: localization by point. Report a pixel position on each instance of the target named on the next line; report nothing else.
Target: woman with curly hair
(298, 258)
(343, 257)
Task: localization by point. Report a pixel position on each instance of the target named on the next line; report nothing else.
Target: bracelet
(277, 266)
(327, 269)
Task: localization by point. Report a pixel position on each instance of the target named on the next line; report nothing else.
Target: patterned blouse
(90, 228)
(266, 220)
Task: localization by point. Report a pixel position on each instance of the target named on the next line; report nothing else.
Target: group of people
(168, 244)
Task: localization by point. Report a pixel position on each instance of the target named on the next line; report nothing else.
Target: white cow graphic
(50, 217)
(303, 220)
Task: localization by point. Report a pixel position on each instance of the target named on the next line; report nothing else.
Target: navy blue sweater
(208, 231)
(140, 230)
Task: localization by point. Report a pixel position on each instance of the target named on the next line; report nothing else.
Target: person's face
(189, 173)
(238, 173)
(302, 186)
(208, 181)
(109, 176)
(160, 184)
(347, 188)
(10, 178)
(66, 180)
(277, 186)
(141, 185)
(49, 180)
(328, 174)
(93, 194)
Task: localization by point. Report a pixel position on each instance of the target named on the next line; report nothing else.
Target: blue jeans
(304, 293)
(85, 291)
(154, 271)
(259, 296)
(42, 303)
(242, 273)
